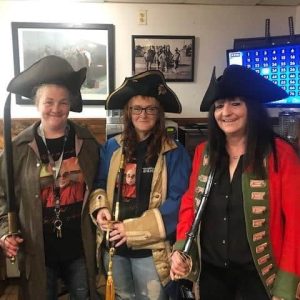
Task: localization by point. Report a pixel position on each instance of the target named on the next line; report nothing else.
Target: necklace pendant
(57, 227)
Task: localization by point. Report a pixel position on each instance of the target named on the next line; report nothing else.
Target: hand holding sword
(10, 242)
(181, 262)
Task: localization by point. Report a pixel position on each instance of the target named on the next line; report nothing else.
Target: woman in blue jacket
(155, 170)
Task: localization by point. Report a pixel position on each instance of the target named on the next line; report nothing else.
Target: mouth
(229, 121)
(55, 116)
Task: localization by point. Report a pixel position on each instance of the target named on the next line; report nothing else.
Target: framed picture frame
(84, 45)
(173, 55)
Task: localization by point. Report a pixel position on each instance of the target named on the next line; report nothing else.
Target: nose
(226, 109)
(56, 107)
(143, 113)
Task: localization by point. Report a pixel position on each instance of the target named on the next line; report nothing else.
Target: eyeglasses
(149, 110)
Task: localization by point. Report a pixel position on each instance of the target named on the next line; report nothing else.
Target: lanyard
(55, 165)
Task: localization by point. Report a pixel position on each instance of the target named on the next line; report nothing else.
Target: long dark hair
(259, 133)
(130, 139)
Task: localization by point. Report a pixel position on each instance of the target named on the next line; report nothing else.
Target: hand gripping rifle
(195, 226)
(11, 197)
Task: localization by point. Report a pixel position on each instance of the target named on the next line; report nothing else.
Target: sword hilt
(12, 229)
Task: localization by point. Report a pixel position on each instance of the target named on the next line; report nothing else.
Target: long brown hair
(130, 139)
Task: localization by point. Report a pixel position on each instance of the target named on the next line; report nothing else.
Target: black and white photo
(172, 55)
(84, 45)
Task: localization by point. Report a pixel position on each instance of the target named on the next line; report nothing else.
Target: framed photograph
(84, 45)
(172, 55)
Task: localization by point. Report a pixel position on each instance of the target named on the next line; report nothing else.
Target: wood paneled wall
(97, 126)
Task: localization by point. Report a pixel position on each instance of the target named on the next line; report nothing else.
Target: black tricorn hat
(239, 81)
(150, 83)
(50, 69)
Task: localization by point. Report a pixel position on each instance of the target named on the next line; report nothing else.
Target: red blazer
(283, 218)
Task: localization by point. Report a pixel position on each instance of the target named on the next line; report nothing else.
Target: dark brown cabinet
(191, 136)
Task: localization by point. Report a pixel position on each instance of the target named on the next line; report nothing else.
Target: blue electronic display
(280, 64)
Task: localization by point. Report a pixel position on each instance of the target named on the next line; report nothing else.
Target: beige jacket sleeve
(146, 230)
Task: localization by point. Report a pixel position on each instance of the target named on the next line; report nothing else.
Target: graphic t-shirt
(136, 191)
(71, 188)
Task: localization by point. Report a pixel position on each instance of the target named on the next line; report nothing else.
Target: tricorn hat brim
(239, 81)
(150, 83)
(50, 69)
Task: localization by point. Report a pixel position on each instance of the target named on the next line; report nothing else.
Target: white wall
(214, 27)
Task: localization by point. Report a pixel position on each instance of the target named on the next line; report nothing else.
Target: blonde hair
(38, 90)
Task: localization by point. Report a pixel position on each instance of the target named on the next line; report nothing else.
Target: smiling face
(144, 121)
(53, 103)
(231, 116)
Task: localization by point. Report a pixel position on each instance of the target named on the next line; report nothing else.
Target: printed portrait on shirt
(70, 181)
(129, 187)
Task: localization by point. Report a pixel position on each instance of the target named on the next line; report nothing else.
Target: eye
(236, 103)
(218, 105)
(48, 102)
(65, 103)
(136, 108)
(151, 110)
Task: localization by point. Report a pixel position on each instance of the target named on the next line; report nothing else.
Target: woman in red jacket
(249, 238)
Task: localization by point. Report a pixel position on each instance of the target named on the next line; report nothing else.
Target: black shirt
(70, 246)
(223, 230)
(135, 200)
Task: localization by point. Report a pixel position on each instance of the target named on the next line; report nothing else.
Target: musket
(110, 288)
(195, 226)
(10, 191)
(120, 188)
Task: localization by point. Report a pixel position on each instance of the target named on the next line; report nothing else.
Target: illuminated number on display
(282, 82)
(274, 76)
(283, 63)
(274, 64)
(292, 69)
(283, 76)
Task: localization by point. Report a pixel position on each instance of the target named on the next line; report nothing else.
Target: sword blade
(8, 151)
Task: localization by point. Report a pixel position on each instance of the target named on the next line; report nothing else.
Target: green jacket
(27, 165)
